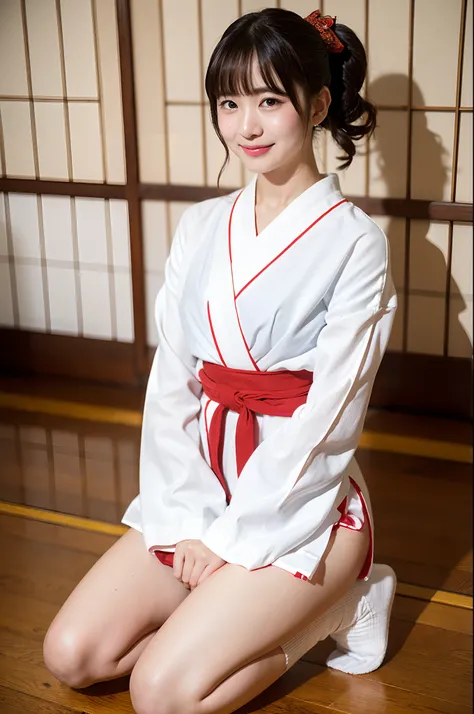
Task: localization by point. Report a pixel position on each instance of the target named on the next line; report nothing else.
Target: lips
(256, 150)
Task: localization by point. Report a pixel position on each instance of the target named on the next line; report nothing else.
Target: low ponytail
(348, 70)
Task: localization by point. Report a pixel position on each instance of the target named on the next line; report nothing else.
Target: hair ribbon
(323, 24)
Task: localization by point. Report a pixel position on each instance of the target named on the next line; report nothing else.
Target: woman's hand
(193, 562)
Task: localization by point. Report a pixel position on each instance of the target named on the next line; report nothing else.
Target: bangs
(235, 75)
(270, 40)
(230, 72)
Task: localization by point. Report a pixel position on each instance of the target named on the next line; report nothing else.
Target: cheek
(226, 127)
(288, 125)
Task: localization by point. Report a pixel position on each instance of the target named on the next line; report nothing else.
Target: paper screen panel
(181, 51)
(17, 139)
(460, 327)
(388, 155)
(51, 141)
(155, 235)
(388, 70)
(62, 300)
(31, 296)
(256, 5)
(119, 233)
(153, 284)
(13, 77)
(435, 50)
(302, 7)
(57, 227)
(216, 17)
(149, 91)
(124, 331)
(461, 261)
(44, 48)
(111, 93)
(432, 155)
(428, 256)
(353, 179)
(24, 225)
(426, 324)
(185, 137)
(394, 229)
(466, 87)
(395, 342)
(4, 249)
(86, 142)
(7, 318)
(79, 49)
(96, 307)
(464, 168)
(91, 231)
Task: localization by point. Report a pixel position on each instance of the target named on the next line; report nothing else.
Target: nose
(251, 126)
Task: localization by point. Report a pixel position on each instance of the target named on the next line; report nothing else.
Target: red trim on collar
(214, 334)
(344, 200)
(233, 285)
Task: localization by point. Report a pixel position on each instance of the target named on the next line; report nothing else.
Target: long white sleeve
(289, 489)
(179, 494)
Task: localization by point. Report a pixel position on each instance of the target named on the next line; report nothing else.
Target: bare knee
(160, 692)
(67, 657)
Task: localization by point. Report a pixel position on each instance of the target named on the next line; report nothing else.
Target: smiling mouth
(256, 150)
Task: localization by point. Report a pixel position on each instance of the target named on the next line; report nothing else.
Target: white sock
(358, 623)
(361, 644)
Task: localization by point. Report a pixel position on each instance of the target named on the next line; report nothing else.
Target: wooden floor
(83, 473)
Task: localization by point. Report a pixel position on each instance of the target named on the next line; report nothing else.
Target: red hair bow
(323, 24)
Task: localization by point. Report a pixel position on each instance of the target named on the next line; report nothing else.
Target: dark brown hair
(291, 54)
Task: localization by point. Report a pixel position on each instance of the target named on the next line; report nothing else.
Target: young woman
(252, 536)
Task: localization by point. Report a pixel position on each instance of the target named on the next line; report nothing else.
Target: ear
(320, 106)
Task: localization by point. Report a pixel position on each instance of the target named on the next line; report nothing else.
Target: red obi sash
(248, 393)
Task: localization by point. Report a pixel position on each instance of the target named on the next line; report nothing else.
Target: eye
(228, 104)
(271, 102)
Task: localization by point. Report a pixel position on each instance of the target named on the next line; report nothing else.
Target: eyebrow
(264, 90)
(259, 90)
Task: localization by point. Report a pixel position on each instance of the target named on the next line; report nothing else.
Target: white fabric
(358, 623)
(288, 298)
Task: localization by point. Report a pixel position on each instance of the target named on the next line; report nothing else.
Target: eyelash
(272, 99)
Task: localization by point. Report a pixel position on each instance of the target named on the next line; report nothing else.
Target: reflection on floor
(80, 468)
(422, 506)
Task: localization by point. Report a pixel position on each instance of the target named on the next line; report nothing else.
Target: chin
(261, 165)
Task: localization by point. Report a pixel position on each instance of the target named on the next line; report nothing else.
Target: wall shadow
(430, 168)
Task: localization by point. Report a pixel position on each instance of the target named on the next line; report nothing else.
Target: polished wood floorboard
(422, 506)
(428, 668)
(89, 469)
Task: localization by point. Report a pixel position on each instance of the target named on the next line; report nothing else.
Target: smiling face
(263, 128)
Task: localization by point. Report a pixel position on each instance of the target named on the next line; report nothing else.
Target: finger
(205, 574)
(188, 566)
(196, 574)
(178, 562)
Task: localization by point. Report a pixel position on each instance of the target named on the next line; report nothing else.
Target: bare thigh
(106, 622)
(235, 617)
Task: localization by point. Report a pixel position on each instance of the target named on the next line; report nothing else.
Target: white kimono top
(312, 291)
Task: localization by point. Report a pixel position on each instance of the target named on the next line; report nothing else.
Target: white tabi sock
(362, 644)
(358, 623)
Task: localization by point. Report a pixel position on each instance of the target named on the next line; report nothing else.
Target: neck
(279, 188)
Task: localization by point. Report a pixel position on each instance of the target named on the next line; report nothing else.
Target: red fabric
(251, 393)
(164, 557)
(323, 24)
(248, 393)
